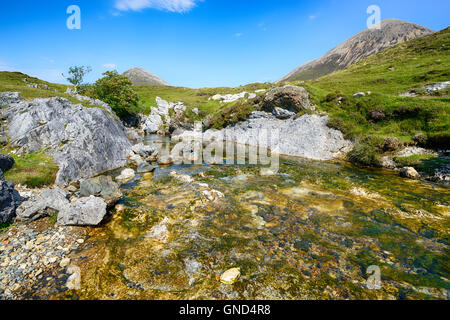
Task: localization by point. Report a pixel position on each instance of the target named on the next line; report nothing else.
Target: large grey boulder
(307, 136)
(6, 162)
(49, 202)
(88, 211)
(102, 186)
(83, 141)
(291, 98)
(9, 200)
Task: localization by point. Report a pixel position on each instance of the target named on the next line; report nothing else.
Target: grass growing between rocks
(35, 170)
(5, 227)
(192, 98)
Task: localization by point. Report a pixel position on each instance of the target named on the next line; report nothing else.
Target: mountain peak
(141, 77)
(358, 47)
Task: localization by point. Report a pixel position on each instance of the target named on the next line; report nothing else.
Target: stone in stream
(230, 276)
(409, 172)
(143, 150)
(48, 202)
(102, 186)
(126, 174)
(84, 212)
(145, 167)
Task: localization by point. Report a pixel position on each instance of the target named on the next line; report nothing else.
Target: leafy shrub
(117, 91)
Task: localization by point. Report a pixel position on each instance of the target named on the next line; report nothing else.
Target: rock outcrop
(9, 200)
(88, 211)
(164, 118)
(83, 141)
(360, 46)
(49, 202)
(6, 162)
(308, 136)
(290, 98)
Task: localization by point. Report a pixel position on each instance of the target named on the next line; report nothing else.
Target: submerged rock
(83, 212)
(126, 174)
(145, 167)
(83, 141)
(230, 276)
(48, 202)
(102, 186)
(159, 232)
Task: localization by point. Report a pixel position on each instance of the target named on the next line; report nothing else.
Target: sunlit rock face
(83, 141)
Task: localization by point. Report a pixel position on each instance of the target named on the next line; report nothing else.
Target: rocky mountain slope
(141, 77)
(360, 46)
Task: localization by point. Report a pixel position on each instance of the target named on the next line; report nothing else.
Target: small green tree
(77, 74)
(117, 91)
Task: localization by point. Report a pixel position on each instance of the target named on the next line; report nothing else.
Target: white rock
(230, 276)
(126, 174)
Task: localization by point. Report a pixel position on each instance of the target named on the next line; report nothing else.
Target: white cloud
(312, 17)
(168, 5)
(239, 34)
(109, 66)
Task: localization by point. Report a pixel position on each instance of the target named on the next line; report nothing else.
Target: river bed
(314, 230)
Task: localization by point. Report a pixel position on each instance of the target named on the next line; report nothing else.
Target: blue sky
(190, 43)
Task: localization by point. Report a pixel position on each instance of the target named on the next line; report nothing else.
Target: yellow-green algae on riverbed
(309, 232)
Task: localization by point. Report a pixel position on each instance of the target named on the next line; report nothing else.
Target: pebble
(230, 276)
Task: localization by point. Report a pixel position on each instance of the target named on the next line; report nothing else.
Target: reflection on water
(309, 232)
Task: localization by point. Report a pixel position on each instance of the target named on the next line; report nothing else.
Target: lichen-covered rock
(409, 172)
(48, 202)
(102, 186)
(83, 141)
(84, 212)
(291, 98)
(9, 200)
(6, 162)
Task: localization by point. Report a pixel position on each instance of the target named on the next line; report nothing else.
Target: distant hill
(360, 46)
(141, 77)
